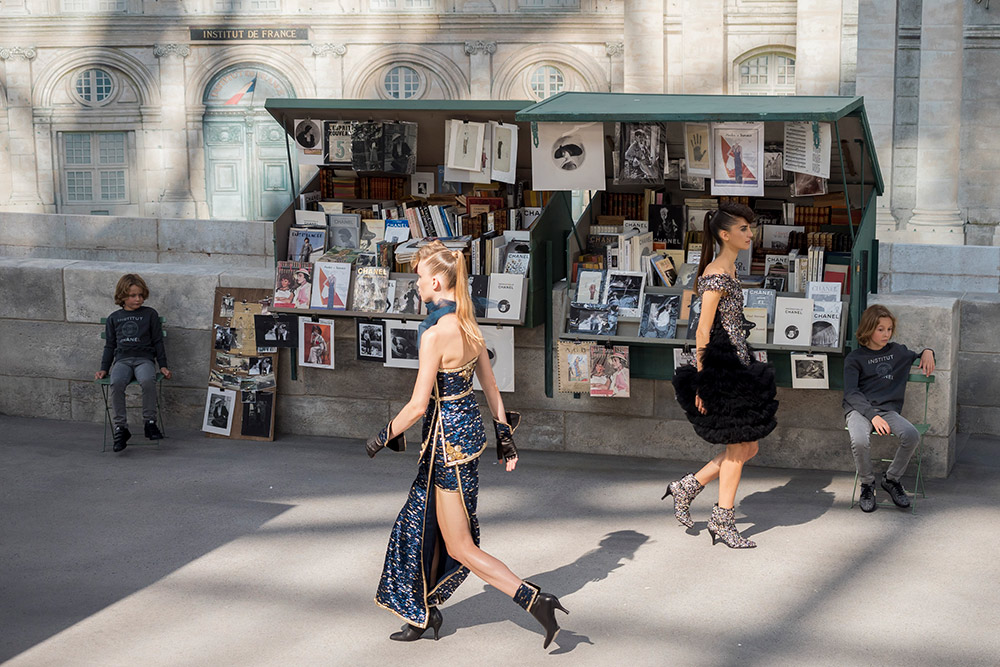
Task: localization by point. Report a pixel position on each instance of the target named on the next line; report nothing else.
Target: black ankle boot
(412, 633)
(153, 431)
(542, 606)
(122, 434)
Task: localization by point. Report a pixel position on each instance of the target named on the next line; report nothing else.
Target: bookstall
(808, 168)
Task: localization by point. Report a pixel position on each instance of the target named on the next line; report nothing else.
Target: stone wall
(939, 268)
(979, 365)
(50, 309)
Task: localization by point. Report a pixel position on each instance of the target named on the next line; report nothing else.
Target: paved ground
(214, 552)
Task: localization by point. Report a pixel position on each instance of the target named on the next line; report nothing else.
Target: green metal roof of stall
(283, 109)
(716, 108)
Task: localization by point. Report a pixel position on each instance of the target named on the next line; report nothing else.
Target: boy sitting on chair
(875, 377)
(133, 339)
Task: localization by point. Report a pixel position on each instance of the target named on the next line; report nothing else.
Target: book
(331, 285)
(774, 260)
(371, 232)
(668, 224)
(659, 316)
(529, 216)
(506, 290)
(664, 268)
(793, 321)
(826, 323)
(821, 291)
(517, 262)
(624, 290)
(371, 286)
(574, 367)
(344, 229)
(686, 275)
(760, 298)
(406, 298)
(640, 226)
(595, 319)
(609, 371)
(758, 317)
(589, 286)
(684, 357)
(310, 218)
(775, 281)
(686, 297)
(306, 244)
(293, 285)
(479, 291)
(640, 248)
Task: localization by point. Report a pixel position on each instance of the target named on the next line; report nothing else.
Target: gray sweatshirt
(875, 380)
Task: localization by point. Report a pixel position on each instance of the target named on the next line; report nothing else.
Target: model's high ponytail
(451, 266)
(707, 245)
(724, 218)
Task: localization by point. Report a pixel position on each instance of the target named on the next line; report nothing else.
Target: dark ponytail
(724, 218)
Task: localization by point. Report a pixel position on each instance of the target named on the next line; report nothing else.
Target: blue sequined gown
(453, 439)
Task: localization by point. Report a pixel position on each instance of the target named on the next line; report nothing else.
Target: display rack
(852, 150)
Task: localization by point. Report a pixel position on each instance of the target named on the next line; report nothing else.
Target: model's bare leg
(731, 469)
(454, 526)
(710, 471)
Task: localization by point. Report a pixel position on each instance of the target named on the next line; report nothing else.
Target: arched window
(402, 82)
(93, 87)
(767, 74)
(546, 81)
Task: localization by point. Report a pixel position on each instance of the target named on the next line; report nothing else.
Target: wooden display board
(242, 379)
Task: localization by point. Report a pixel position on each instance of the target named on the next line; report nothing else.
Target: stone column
(329, 74)
(877, 31)
(936, 217)
(480, 75)
(703, 40)
(615, 51)
(643, 46)
(176, 200)
(818, 27)
(23, 167)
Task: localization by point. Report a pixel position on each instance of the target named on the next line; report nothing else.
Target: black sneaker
(153, 431)
(122, 434)
(867, 500)
(896, 491)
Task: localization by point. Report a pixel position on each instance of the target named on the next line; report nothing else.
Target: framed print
(688, 181)
(337, 138)
(774, 169)
(367, 146)
(595, 319)
(624, 290)
(504, 158)
(568, 156)
(640, 153)
(401, 344)
(316, 343)
(589, 285)
(737, 159)
(806, 185)
(421, 185)
(466, 145)
(500, 350)
(659, 316)
(258, 414)
(810, 371)
(371, 340)
(309, 141)
(276, 330)
(400, 148)
(698, 149)
(219, 405)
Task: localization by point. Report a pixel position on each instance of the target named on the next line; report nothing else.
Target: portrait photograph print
(400, 148)
(305, 245)
(810, 371)
(504, 157)
(589, 285)
(737, 161)
(500, 350)
(421, 185)
(276, 330)
(623, 290)
(568, 156)
(401, 344)
(807, 185)
(367, 147)
(659, 316)
(774, 169)
(257, 414)
(640, 153)
(316, 343)
(465, 146)
(309, 140)
(594, 319)
(406, 299)
(687, 180)
(371, 340)
(219, 411)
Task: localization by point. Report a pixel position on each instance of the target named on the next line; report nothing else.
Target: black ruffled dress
(738, 392)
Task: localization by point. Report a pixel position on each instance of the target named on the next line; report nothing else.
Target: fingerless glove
(382, 439)
(505, 436)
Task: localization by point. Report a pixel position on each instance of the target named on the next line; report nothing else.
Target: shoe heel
(713, 536)
(561, 608)
(668, 493)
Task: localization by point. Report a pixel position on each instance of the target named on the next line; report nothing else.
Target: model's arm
(484, 371)
(709, 306)
(430, 361)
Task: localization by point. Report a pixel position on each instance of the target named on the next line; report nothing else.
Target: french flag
(235, 99)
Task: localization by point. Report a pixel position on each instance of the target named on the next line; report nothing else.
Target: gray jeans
(122, 372)
(860, 429)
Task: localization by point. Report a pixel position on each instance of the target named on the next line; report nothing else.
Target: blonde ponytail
(451, 265)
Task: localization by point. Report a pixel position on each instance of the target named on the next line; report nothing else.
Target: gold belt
(457, 396)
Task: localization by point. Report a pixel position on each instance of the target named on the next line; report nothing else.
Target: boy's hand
(927, 363)
(100, 375)
(166, 372)
(881, 426)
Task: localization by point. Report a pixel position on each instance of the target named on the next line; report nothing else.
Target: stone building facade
(154, 108)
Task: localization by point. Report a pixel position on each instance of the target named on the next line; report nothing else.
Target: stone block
(793, 446)
(938, 456)
(189, 355)
(357, 379)
(925, 319)
(529, 337)
(33, 396)
(980, 322)
(102, 232)
(974, 234)
(656, 438)
(32, 289)
(254, 278)
(332, 417)
(946, 260)
(286, 385)
(32, 229)
(542, 430)
(665, 405)
(980, 374)
(818, 409)
(941, 403)
(182, 294)
(979, 419)
(44, 349)
(220, 260)
(215, 236)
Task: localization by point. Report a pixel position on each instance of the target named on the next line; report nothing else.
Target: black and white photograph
(667, 223)
(338, 142)
(259, 365)
(305, 245)
(499, 343)
(400, 147)
(595, 319)
(371, 289)
(401, 344)
(623, 290)
(265, 382)
(345, 229)
(249, 396)
(226, 309)
(256, 417)
(371, 340)
(807, 185)
(465, 147)
(659, 316)
(225, 337)
(276, 330)
(479, 292)
(694, 316)
(774, 170)
(673, 171)
(367, 147)
(406, 299)
(219, 406)
(687, 181)
(590, 285)
(421, 184)
(774, 281)
(809, 371)
(504, 157)
(309, 141)
(370, 234)
(640, 153)
(568, 156)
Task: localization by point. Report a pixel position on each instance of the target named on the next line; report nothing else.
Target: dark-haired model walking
(729, 397)
(435, 541)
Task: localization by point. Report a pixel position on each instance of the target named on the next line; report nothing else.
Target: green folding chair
(105, 386)
(922, 428)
